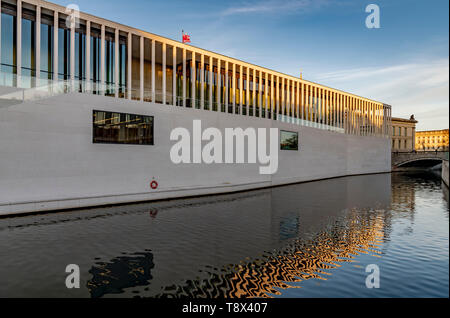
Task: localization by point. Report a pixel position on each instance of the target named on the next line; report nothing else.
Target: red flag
(186, 38)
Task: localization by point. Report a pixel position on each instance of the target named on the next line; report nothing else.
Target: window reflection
(288, 140)
(121, 128)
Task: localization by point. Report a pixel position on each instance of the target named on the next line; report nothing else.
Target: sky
(404, 63)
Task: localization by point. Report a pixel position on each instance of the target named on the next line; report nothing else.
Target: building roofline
(430, 131)
(112, 24)
(404, 120)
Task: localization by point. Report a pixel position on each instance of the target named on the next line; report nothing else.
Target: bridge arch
(420, 162)
(423, 159)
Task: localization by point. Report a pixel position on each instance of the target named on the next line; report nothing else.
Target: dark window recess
(121, 128)
(288, 140)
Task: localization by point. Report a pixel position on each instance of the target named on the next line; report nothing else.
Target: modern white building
(87, 106)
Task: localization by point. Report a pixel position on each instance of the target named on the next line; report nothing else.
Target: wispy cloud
(420, 88)
(274, 6)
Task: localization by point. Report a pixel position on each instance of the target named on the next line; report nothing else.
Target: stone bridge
(418, 159)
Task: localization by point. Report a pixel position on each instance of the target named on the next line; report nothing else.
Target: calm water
(306, 240)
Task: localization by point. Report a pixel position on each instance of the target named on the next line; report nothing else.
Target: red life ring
(154, 185)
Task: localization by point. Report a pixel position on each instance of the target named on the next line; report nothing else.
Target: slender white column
(72, 47)
(130, 64)
(164, 62)
(0, 33)
(307, 99)
(272, 106)
(38, 41)
(302, 100)
(247, 95)
(329, 109)
(347, 114)
(350, 101)
(282, 95)
(227, 87)
(219, 85)
(335, 117)
(277, 97)
(241, 75)
(55, 45)
(356, 120)
(19, 41)
(373, 119)
(360, 116)
(254, 92)
(202, 81)
(333, 107)
(323, 108)
(141, 69)
(381, 128)
(331, 112)
(116, 63)
(297, 102)
(88, 55)
(102, 58)
(293, 105)
(376, 123)
(193, 80)
(288, 98)
(291, 97)
(316, 103)
(233, 85)
(184, 77)
(260, 103)
(210, 80)
(292, 100)
(368, 118)
(339, 111)
(174, 76)
(153, 70)
(327, 106)
(320, 105)
(312, 105)
(266, 95)
(357, 113)
(354, 115)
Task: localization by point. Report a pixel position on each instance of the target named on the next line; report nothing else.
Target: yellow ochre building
(432, 140)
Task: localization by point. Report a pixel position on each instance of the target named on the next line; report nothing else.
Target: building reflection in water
(255, 243)
(360, 232)
(303, 240)
(121, 273)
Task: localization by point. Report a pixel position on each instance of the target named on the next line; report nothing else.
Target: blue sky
(405, 63)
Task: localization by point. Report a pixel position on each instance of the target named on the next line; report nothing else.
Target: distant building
(432, 140)
(403, 134)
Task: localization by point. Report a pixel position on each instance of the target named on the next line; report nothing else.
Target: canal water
(307, 240)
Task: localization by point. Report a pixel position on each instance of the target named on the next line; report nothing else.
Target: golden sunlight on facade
(432, 140)
(403, 134)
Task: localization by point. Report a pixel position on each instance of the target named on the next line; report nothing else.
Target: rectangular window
(121, 128)
(288, 140)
